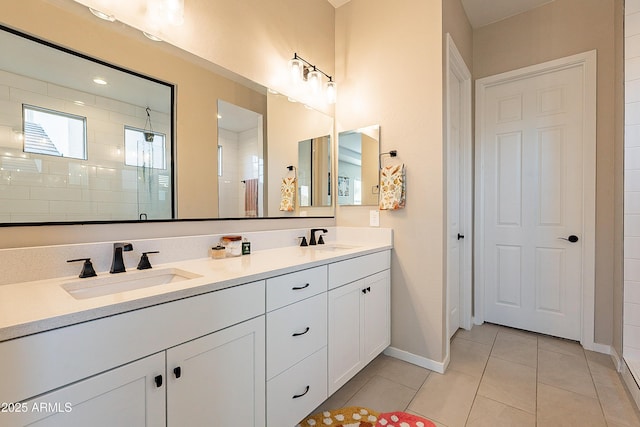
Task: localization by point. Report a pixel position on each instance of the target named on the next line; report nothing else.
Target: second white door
(532, 173)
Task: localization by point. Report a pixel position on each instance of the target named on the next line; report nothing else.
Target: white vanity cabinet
(359, 315)
(258, 354)
(296, 345)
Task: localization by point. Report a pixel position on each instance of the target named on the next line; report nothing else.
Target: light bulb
(330, 91)
(314, 78)
(296, 67)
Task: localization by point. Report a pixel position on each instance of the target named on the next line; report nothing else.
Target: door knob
(573, 238)
(460, 236)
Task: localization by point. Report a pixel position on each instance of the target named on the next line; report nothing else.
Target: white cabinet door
(359, 326)
(219, 379)
(376, 335)
(126, 396)
(345, 319)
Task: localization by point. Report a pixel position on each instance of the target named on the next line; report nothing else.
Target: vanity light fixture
(303, 71)
(330, 91)
(102, 15)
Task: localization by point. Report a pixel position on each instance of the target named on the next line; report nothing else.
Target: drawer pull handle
(158, 381)
(297, 288)
(177, 372)
(297, 334)
(300, 395)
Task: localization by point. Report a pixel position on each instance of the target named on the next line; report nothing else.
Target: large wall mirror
(79, 140)
(133, 161)
(358, 166)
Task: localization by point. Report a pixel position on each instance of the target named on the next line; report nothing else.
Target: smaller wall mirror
(314, 171)
(358, 166)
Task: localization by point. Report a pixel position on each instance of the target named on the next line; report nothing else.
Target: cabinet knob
(177, 371)
(297, 288)
(297, 334)
(300, 395)
(364, 291)
(158, 381)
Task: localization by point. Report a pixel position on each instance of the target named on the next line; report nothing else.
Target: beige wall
(389, 67)
(558, 29)
(276, 31)
(455, 22)
(254, 38)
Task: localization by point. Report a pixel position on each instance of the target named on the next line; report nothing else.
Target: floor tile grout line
(475, 396)
(595, 387)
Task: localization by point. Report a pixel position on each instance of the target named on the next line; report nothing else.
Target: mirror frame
(170, 136)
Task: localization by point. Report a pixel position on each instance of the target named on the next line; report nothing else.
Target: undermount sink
(115, 283)
(333, 247)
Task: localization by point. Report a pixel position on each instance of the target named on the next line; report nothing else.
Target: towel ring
(392, 153)
(295, 171)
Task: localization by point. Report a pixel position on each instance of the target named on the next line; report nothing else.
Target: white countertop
(31, 307)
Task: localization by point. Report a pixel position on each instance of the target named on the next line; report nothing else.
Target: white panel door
(453, 202)
(533, 199)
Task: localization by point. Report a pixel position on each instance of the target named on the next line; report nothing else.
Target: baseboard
(599, 348)
(617, 360)
(630, 382)
(423, 362)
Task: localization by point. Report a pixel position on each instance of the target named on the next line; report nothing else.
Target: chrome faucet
(312, 239)
(117, 265)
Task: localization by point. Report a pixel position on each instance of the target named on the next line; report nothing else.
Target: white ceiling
(338, 3)
(485, 12)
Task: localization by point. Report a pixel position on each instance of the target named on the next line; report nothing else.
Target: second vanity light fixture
(303, 71)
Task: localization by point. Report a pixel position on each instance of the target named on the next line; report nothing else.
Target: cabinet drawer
(294, 332)
(292, 395)
(343, 272)
(289, 288)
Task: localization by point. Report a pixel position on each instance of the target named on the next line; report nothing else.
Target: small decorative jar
(233, 245)
(218, 252)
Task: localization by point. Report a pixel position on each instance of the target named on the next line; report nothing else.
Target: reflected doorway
(240, 162)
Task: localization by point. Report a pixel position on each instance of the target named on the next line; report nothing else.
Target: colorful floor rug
(356, 416)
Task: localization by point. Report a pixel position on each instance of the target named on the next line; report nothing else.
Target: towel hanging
(392, 187)
(288, 188)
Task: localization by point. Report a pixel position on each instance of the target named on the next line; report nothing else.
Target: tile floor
(498, 377)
